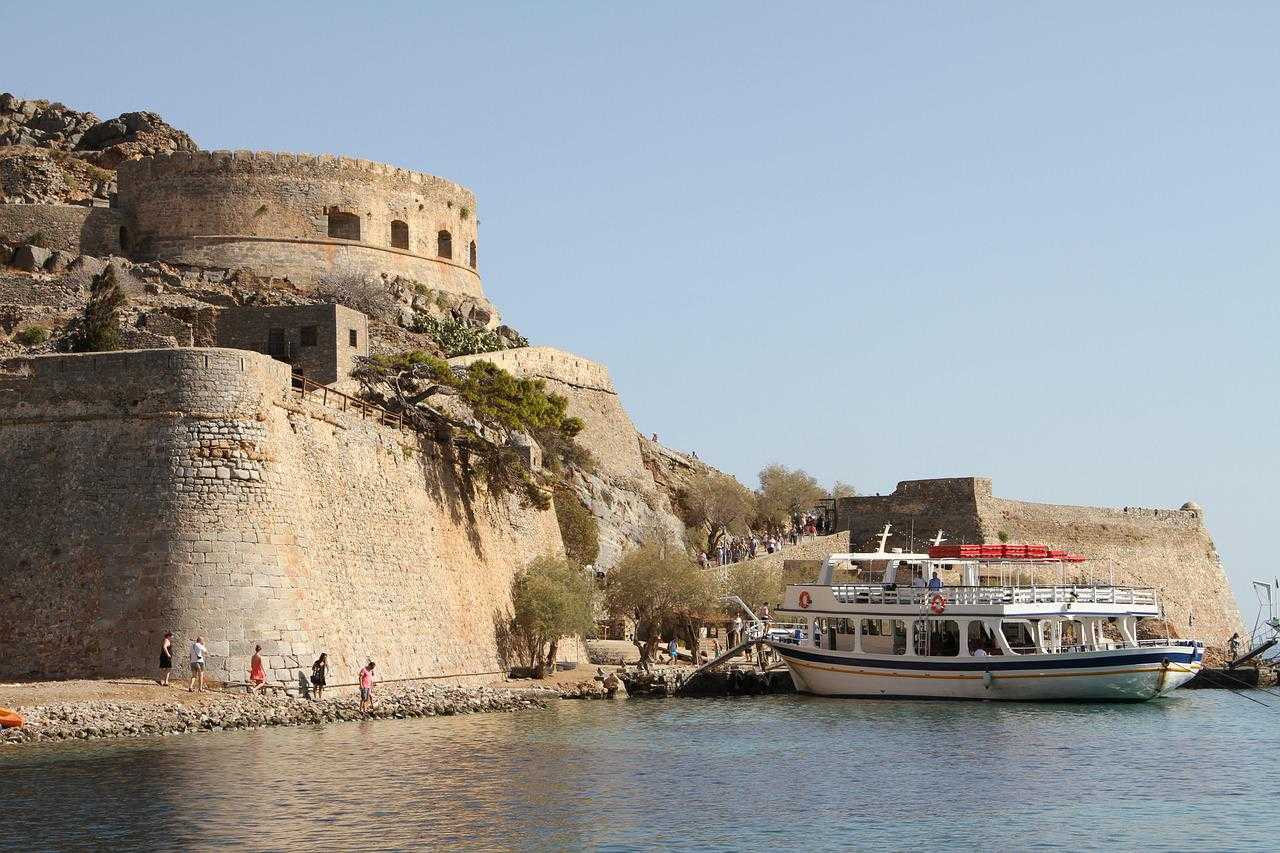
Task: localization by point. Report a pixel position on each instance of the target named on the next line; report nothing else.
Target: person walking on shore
(257, 672)
(197, 664)
(366, 687)
(320, 674)
(166, 658)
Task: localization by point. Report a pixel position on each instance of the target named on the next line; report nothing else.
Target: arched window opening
(344, 226)
(444, 244)
(399, 234)
(472, 253)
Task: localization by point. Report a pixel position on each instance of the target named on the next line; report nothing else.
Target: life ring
(937, 603)
(10, 719)
(805, 599)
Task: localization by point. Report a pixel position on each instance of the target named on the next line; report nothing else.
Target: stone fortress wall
(71, 228)
(300, 217)
(1167, 549)
(187, 490)
(621, 492)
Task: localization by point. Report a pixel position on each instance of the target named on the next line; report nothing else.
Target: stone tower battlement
(301, 217)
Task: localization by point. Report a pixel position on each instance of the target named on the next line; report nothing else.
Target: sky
(876, 241)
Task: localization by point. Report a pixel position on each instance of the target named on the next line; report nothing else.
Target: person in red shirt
(366, 687)
(257, 672)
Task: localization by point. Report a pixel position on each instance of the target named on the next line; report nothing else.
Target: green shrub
(101, 328)
(457, 338)
(38, 239)
(578, 527)
(31, 336)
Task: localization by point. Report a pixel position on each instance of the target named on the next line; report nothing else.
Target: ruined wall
(1170, 550)
(621, 491)
(186, 490)
(269, 212)
(71, 228)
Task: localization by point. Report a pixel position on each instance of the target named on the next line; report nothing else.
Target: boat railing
(962, 595)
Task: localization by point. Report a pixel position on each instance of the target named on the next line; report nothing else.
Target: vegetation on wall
(579, 528)
(500, 405)
(457, 337)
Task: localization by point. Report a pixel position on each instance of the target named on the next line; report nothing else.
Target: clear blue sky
(1043, 233)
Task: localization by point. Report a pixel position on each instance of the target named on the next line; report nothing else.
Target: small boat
(979, 632)
(10, 719)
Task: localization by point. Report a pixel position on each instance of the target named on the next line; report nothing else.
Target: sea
(1197, 770)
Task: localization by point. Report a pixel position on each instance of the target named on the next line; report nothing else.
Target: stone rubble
(111, 719)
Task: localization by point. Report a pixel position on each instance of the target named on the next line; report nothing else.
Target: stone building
(320, 342)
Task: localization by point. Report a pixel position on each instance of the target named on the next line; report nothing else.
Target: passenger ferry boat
(987, 637)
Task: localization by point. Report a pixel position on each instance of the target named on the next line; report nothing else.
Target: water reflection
(690, 774)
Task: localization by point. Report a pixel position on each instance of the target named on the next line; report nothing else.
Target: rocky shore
(94, 719)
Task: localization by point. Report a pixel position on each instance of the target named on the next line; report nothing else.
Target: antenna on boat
(884, 536)
(937, 540)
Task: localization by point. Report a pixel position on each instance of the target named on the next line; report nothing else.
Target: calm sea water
(1198, 770)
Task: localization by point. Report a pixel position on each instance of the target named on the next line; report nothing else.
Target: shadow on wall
(450, 480)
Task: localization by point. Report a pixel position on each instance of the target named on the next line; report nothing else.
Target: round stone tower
(300, 217)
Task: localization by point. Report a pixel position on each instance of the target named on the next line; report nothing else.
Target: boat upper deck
(879, 599)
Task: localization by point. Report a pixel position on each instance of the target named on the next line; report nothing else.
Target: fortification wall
(271, 212)
(71, 228)
(1170, 550)
(186, 490)
(547, 363)
(621, 491)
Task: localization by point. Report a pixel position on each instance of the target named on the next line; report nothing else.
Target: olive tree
(784, 495)
(551, 599)
(664, 593)
(719, 504)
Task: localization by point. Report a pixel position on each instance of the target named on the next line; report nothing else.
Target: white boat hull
(1121, 675)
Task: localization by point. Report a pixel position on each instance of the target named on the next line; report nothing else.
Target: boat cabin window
(981, 638)
(1072, 634)
(884, 636)
(938, 638)
(1020, 636)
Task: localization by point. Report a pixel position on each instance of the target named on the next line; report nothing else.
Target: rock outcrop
(52, 154)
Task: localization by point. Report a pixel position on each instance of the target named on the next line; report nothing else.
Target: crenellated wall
(187, 490)
(270, 212)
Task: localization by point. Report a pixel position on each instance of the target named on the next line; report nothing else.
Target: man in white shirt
(197, 664)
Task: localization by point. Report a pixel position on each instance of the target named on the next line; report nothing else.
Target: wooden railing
(305, 389)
